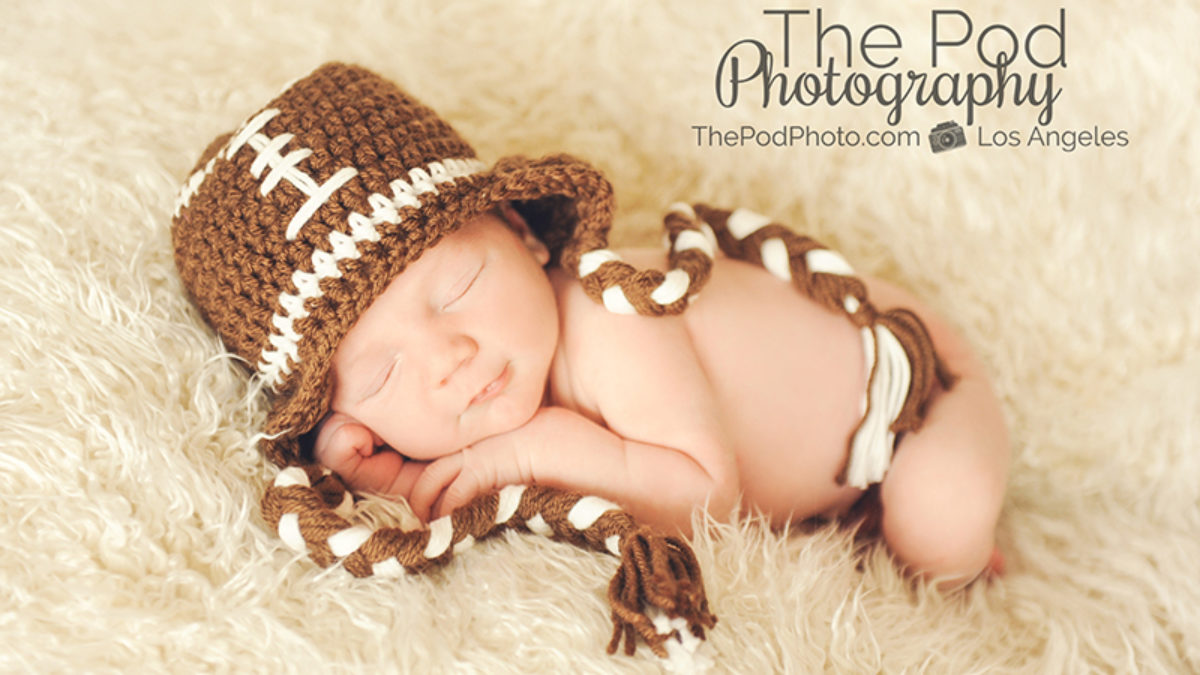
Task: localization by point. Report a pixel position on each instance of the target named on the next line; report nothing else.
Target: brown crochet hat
(293, 224)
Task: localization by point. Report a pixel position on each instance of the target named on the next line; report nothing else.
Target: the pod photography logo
(965, 67)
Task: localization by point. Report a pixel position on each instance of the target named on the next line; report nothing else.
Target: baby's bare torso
(788, 377)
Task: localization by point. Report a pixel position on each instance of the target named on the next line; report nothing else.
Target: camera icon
(947, 136)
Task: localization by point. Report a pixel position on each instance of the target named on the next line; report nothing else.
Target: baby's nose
(457, 352)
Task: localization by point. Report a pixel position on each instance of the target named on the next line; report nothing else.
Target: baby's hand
(359, 456)
(454, 480)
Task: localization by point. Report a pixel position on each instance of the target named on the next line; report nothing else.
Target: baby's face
(457, 348)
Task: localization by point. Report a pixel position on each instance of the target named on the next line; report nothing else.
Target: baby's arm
(562, 448)
(352, 450)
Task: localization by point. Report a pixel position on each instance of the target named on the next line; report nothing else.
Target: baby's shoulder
(588, 328)
(602, 353)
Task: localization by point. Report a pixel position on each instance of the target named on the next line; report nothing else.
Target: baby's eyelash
(458, 296)
(387, 375)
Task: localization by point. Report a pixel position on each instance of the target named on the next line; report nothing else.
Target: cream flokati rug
(130, 527)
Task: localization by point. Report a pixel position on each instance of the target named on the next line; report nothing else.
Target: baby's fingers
(342, 442)
(475, 477)
(460, 492)
(433, 480)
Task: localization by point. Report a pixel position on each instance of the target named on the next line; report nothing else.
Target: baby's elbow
(715, 495)
(681, 482)
(716, 486)
(723, 493)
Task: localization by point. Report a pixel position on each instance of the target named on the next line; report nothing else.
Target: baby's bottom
(941, 498)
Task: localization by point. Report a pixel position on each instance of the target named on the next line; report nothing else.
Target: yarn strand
(661, 572)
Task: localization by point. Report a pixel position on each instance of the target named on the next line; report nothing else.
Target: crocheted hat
(288, 229)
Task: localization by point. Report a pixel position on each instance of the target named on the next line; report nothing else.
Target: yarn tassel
(656, 571)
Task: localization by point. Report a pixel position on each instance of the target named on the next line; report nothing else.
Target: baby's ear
(517, 222)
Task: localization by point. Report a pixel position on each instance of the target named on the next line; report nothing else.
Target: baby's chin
(510, 415)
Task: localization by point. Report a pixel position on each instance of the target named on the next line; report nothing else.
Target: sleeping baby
(437, 329)
(476, 368)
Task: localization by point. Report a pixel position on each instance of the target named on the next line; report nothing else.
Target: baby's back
(788, 378)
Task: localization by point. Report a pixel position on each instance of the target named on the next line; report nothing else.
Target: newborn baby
(479, 367)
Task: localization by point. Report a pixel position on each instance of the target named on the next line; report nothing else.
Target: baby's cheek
(426, 437)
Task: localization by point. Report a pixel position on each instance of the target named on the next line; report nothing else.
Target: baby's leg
(941, 497)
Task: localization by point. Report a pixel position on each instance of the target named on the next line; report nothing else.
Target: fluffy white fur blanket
(130, 528)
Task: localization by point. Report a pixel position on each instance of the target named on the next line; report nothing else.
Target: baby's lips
(493, 387)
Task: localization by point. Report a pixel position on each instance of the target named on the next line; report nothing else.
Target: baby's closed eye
(463, 285)
(385, 374)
